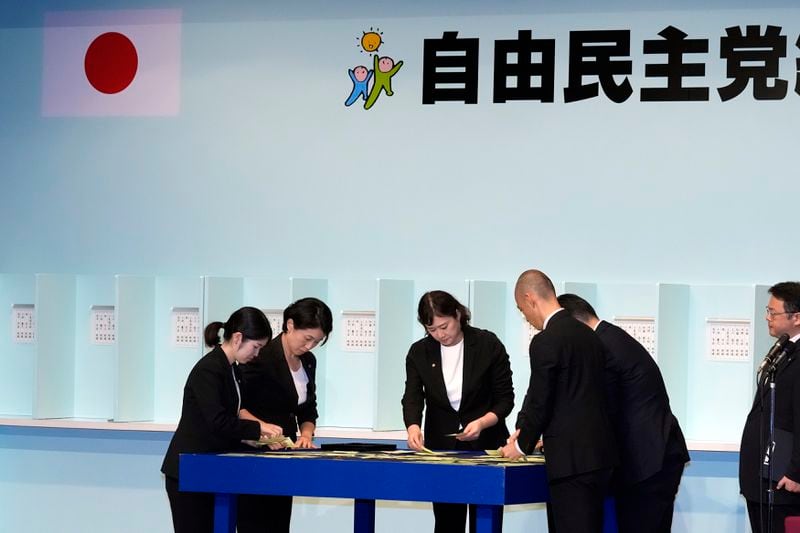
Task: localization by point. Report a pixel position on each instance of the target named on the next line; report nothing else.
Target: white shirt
(300, 379)
(453, 371)
(238, 390)
(546, 320)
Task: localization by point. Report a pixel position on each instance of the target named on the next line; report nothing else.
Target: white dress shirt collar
(546, 320)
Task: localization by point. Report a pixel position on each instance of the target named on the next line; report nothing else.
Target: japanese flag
(112, 63)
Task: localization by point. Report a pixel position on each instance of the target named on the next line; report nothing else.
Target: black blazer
(209, 418)
(566, 401)
(638, 405)
(269, 392)
(486, 386)
(787, 418)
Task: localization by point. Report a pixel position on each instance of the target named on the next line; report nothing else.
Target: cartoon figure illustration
(384, 69)
(360, 77)
(371, 41)
(368, 83)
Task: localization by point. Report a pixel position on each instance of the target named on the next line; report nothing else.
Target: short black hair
(309, 313)
(577, 307)
(441, 303)
(789, 293)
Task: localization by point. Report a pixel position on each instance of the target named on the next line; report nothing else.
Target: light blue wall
(264, 160)
(95, 364)
(54, 374)
(173, 363)
(18, 361)
(349, 402)
(721, 388)
(265, 175)
(135, 374)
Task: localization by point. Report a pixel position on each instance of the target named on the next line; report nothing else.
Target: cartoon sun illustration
(370, 41)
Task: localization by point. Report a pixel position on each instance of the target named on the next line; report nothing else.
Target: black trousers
(758, 514)
(452, 517)
(264, 514)
(192, 512)
(647, 506)
(576, 502)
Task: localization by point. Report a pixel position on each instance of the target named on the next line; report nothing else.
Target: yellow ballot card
(286, 442)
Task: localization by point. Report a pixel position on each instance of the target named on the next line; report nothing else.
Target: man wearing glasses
(783, 317)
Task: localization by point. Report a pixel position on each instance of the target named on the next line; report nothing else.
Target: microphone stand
(770, 367)
(771, 490)
(770, 371)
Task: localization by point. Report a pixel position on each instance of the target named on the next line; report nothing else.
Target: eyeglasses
(772, 314)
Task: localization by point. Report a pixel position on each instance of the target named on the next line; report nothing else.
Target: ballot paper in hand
(428, 451)
(286, 442)
(532, 458)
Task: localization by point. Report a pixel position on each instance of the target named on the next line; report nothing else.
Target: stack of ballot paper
(286, 442)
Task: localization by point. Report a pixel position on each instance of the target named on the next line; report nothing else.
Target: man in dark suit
(566, 405)
(783, 317)
(652, 448)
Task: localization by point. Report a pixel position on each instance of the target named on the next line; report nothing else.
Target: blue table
(489, 486)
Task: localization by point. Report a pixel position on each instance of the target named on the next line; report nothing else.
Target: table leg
(364, 516)
(488, 519)
(224, 513)
(609, 516)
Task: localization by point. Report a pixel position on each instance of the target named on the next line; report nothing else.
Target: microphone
(781, 355)
(775, 352)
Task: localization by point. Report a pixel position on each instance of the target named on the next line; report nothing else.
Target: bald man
(565, 404)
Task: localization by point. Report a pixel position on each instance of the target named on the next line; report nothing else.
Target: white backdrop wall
(264, 171)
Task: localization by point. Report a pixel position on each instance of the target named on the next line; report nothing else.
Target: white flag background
(146, 82)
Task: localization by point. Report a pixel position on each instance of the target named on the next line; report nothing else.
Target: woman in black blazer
(461, 377)
(280, 387)
(210, 418)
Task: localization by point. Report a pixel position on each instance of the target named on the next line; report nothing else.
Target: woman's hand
(270, 430)
(415, 439)
(471, 432)
(304, 442)
(306, 439)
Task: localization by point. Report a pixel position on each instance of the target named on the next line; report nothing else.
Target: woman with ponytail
(212, 420)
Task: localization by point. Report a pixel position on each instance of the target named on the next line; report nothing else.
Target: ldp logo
(380, 75)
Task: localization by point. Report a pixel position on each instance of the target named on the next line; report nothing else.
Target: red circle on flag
(111, 62)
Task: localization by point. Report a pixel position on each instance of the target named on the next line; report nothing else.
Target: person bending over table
(280, 387)
(210, 421)
(461, 377)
